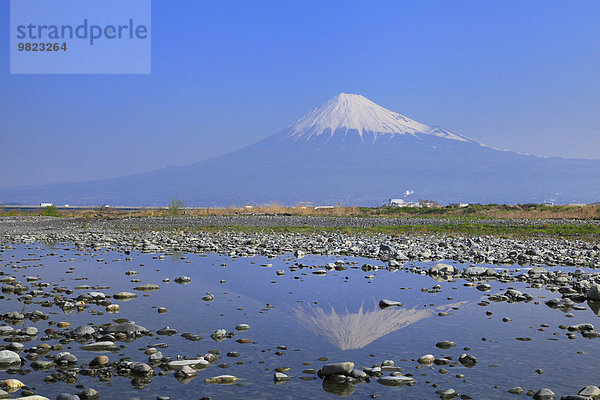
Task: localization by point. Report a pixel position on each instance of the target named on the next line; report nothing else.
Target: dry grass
(277, 209)
(490, 211)
(566, 212)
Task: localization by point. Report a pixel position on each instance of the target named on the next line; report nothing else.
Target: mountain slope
(348, 150)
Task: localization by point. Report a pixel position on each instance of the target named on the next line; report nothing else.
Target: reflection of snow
(355, 331)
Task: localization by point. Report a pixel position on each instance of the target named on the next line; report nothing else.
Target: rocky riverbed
(145, 308)
(169, 234)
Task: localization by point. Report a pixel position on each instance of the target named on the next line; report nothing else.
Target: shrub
(50, 211)
(176, 207)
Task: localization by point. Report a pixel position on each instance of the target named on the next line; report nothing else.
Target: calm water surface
(334, 316)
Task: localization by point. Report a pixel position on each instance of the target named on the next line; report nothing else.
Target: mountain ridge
(335, 154)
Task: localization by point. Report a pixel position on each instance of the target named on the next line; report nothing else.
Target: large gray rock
(30, 331)
(593, 293)
(544, 394)
(6, 330)
(8, 357)
(14, 315)
(16, 347)
(442, 269)
(590, 391)
(536, 272)
(65, 357)
(581, 327)
(128, 328)
(97, 295)
(139, 368)
(473, 270)
(343, 368)
(83, 331)
(88, 394)
(467, 360)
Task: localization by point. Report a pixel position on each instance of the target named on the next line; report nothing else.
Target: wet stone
(343, 368)
(67, 396)
(395, 380)
(544, 394)
(445, 344)
(183, 279)
(590, 391)
(99, 361)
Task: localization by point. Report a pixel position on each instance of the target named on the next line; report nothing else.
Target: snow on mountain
(353, 112)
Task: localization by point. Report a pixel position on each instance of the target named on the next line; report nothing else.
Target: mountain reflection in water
(349, 331)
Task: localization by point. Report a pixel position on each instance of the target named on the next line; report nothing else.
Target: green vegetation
(488, 211)
(50, 211)
(176, 207)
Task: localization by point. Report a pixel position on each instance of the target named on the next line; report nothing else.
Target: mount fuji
(348, 150)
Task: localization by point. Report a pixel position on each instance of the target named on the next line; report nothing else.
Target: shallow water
(334, 316)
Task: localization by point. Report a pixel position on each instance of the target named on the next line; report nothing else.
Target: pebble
(389, 303)
(427, 359)
(516, 390)
(183, 279)
(280, 377)
(124, 296)
(395, 380)
(99, 361)
(11, 385)
(222, 380)
(186, 372)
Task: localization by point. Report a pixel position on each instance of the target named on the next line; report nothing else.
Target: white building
(415, 204)
(402, 203)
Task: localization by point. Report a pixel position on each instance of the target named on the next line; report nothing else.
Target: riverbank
(502, 241)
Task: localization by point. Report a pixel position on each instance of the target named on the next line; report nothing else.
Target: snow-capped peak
(353, 112)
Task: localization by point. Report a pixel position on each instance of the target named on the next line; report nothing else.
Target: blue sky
(512, 74)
